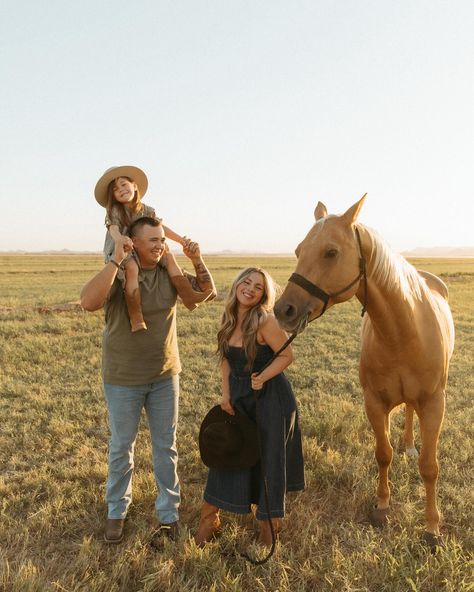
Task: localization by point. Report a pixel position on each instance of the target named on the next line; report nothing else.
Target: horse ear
(353, 212)
(320, 211)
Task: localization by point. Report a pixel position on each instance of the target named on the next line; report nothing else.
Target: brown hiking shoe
(114, 530)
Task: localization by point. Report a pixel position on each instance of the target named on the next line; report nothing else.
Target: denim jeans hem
(168, 517)
(114, 515)
(263, 514)
(296, 487)
(226, 506)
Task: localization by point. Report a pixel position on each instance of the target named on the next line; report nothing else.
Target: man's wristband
(115, 263)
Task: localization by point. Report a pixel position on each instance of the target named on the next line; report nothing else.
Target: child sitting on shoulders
(120, 190)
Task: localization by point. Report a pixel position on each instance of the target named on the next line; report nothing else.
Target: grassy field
(53, 443)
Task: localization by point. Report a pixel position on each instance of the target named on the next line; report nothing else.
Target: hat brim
(248, 454)
(132, 172)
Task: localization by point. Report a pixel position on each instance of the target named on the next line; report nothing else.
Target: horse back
(434, 283)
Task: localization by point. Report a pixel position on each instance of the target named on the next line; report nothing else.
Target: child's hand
(191, 249)
(125, 242)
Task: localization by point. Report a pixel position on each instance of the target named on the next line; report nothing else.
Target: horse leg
(410, 448)
(379, 418)
(431, 417)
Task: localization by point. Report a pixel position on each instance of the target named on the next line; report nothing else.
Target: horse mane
(391, 270)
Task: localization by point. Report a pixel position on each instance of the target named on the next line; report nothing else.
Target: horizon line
(423, 252)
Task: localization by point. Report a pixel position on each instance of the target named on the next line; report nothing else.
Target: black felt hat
(228, 441)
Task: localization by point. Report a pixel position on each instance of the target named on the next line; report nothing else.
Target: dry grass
(54, 436)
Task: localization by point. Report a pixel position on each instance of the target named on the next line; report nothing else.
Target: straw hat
(228, 441)
(132, 172)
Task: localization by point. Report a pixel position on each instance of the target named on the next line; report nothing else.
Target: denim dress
(235, 490)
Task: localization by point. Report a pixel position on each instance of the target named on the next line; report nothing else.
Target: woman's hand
(257, 381)
(227, 406)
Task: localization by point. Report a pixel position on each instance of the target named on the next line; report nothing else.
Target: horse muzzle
(292, 318)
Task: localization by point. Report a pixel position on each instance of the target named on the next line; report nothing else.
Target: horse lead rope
(262, 462)
(314, 290)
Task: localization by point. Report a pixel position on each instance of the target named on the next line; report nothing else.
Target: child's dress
(114, 219)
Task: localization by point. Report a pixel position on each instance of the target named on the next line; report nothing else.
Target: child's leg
(190, 297)
(131, 275)
(174, 236)
(132, 296)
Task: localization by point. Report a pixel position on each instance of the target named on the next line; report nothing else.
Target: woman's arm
(274, 336)
(225, 400)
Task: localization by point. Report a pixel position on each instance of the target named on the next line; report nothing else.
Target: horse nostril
(285, 312)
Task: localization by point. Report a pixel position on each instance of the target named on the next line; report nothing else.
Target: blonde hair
(123, 211)
(252, 320)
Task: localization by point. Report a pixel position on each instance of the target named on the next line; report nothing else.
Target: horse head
(329, 270)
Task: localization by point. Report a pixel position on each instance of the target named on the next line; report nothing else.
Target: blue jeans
(125, 404)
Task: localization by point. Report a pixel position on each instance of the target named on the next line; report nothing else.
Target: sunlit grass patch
(54, 437)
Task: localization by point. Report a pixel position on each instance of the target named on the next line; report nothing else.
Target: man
(142, 370)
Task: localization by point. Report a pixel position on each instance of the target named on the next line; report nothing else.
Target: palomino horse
(407, 336)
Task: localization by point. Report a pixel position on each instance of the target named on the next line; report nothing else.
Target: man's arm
(203, 276)
(95, 292)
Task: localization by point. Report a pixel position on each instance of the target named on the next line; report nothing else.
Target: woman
(248, 337)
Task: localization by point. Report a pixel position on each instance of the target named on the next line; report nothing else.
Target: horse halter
(316, 291)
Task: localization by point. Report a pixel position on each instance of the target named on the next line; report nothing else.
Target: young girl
(248, 337)
(120, 191)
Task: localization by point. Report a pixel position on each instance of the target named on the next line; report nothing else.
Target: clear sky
(243, 114)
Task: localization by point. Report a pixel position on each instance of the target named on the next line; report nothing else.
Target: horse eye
(330, 254)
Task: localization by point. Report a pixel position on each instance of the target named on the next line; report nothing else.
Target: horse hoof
(412, 452)
(435, 542)
(378, 516)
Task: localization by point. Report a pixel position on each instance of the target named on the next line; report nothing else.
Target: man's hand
(205, 283)
(123, 246)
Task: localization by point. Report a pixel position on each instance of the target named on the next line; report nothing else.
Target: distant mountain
(440, 252)
(452, 252)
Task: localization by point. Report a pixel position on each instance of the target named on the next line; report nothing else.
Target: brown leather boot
(265, 536)
(209, 525)
(191, 298)
(114, 530)
(134, 307)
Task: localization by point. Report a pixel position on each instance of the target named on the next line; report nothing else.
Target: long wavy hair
(135, 204)
(252, 320)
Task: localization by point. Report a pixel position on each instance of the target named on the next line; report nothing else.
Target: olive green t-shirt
(145, 356)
